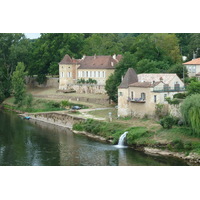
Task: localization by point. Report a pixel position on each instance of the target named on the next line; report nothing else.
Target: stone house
(193, 67)
(139, 94)
(98, 68)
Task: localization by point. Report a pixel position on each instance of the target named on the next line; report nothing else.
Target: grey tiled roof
(129, 78)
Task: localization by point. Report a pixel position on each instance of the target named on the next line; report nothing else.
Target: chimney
(122, 78)
(194, 55)
(83, 57)
(114, 56)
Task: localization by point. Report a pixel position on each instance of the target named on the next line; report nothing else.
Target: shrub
(177, 144)
(167, 122)
(180, 96)
(190, 110)
(64, 104)
(135, 133)
(53, 104)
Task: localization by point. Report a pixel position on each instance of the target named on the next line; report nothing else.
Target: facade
(98, 68)
(139, 94)
(193, 67)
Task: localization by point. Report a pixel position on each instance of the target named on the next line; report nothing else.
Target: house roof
(193, 62)
(98, 62)
(166, 78)
(129, 78)
(93, 62)
(144, 84)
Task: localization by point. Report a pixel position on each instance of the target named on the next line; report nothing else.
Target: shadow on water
(33, 143)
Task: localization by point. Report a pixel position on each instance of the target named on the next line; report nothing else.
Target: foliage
(159, 110)
(179, 96)
(89, 81)
(135, 133)
(190, 110)
(179, 69)
(64, 104)
(28, 101)
(167, 122)
(14, 47)
(18, 83)
(173, 101)
(193, 88)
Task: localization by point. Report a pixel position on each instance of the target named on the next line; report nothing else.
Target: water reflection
(36, 143)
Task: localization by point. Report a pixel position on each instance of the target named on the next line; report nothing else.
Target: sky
(32, 35)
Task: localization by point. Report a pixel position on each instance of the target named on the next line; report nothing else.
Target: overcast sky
(32, 35)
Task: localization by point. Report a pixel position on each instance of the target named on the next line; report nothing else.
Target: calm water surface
(33, 143)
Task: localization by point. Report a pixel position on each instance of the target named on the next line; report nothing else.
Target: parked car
(76, 107)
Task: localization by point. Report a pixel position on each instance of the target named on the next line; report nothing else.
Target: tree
(179, 69)
(190, 110)
(13, 48)
(114, 80)
(193, 88)
(18, 83)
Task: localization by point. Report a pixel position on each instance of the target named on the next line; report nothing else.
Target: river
(34, 143)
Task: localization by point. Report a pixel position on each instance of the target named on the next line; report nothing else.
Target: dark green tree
(18, 83)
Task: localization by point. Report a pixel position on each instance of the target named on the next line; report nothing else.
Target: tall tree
(18, 83)
(13, 48)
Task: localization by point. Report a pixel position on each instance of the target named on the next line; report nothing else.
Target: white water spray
(122, 139)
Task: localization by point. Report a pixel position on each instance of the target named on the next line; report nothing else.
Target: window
(86, 73)
(120, 94)
(90, 74)
(83, 74)
(104, 74)
(143, 96)
(165, 96)
(94, 73)
(62, 74)
(154, 98)
(98, 74)
(69, 74)
(131, 95)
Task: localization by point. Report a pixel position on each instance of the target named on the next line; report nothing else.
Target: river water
(34, 143)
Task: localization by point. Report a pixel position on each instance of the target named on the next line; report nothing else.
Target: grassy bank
(177, 139)
(40, 105)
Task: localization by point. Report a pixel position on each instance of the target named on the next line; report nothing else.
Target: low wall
(50, 82)
(59, 119)
(77, 99)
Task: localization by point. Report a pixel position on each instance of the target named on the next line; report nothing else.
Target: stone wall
(59, 119)
(174, 110)
(50, 82)
(89, 88)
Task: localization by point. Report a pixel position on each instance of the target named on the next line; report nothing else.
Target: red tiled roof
(93, 62)
(98, 62)
(193, 62)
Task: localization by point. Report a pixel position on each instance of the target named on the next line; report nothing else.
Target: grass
(39, 105)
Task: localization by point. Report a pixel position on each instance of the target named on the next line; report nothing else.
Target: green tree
(13, 48)
(112, 83)
(193, 88)
(179, 69)
(190, 110)
(18, 83)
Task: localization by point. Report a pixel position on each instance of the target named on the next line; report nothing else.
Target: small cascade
(121, 140)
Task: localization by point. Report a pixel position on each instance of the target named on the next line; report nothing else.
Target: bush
(180, 96)
(190, 110)
(53, 104)
(167, 122)
(177, 144)
(135, 133)
(64, 104)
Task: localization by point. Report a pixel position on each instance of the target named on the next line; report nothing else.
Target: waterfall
(121, 140)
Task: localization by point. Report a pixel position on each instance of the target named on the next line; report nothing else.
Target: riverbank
(144, 134)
